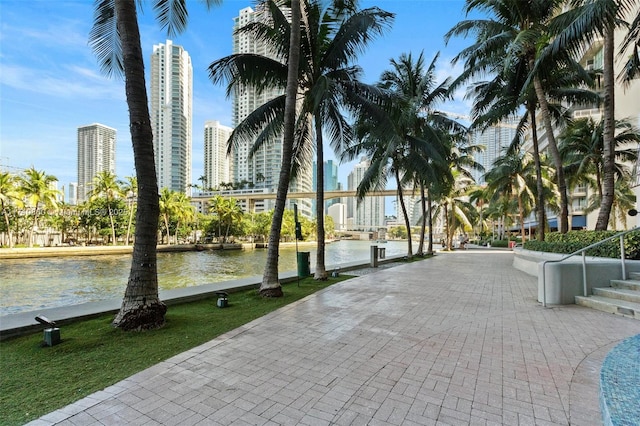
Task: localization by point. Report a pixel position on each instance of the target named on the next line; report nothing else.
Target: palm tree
(585, 21)
(517, 42)
(166, 209)
(183, 211)
(233, 213)
(9, 195)
(36, 187)
(331, 38)
(105, 184)
(115, 38)
(130, 191)
(454, 207)
(403, 138)
(513, 176)
(582, 148)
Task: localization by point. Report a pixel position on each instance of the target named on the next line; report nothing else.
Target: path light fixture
(52, 333)
(223, 299)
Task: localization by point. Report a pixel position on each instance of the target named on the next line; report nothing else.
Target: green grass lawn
(35, 380)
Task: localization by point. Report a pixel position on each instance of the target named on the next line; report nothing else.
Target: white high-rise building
(72, 197)
(217, 164)
(96, 153)
(495, 140)
(171, 115)
(368, 214)
(263, 168)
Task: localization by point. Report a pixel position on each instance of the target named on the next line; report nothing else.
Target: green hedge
(573, 241)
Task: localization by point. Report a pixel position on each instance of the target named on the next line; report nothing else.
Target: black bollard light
(51, 334)
(223, 299)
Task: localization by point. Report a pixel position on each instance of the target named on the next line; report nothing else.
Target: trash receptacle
(381, 252)
(304, 269)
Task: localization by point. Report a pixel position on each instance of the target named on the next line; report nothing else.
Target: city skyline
(57, 79)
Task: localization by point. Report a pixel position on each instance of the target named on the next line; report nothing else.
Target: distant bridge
(250, 196)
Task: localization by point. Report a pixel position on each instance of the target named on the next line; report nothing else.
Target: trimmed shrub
(573, 241)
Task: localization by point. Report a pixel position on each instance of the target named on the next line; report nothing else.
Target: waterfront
(39, 283)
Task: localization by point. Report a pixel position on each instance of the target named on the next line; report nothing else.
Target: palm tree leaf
(104, 39)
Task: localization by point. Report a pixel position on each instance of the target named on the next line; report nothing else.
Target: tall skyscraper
(216, 161)
(96, 153)
(495, 140)
(263, 168)
(368, 214)
(171, 115)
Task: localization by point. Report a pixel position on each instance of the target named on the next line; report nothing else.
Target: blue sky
(50, 82)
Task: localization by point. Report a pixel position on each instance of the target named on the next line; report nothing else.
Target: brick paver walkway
(454, 340)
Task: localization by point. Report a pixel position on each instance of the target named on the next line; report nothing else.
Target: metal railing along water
(584, 262)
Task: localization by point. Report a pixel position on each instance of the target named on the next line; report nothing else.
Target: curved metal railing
(584, 262)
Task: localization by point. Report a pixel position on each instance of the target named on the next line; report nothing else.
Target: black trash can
(304, 269)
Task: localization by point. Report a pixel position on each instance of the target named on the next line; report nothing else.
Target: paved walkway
(454, 340)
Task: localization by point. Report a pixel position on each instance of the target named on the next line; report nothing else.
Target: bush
(499, 243)
(573, 241)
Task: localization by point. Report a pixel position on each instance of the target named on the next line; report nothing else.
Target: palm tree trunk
(563, 225)
(113, 226)
(270, 286)
(129, 225)
(423, 225)
(539, 187)
(321, 272)
(429, 209)
(521, 217)
(141, 307)
(8, 223)
(608, 133)
(407, 224)
(33, 225)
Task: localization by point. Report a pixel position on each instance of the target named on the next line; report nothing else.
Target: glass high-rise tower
(96, 153)
(171, 115)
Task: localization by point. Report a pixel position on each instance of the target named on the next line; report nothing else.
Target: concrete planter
(564, 280)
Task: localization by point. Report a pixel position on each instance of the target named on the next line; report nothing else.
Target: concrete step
(618, 293)
(628, 284)
(612, 306)
(634, 276)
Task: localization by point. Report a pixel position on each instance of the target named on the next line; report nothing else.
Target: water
(32, 284)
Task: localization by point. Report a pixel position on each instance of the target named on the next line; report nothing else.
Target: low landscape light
(52, 333)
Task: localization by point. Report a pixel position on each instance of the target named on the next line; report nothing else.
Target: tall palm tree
(585, 21)
(115, 38)
(36, 187)
(9, 195)
(333, 34)
(516, 38)
(106, 185)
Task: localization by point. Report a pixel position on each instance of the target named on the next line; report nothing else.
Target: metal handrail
(584, 262)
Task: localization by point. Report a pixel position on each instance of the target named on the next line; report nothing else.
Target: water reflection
(31, 284)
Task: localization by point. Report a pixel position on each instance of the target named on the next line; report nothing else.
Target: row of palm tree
(520, 46)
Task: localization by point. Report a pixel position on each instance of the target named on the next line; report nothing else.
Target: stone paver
(455, 340)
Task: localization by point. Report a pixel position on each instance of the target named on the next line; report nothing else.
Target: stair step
(634, 275)
(628, 284)
(612, 306)
(618, 293)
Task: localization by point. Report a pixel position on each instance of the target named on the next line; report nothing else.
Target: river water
(32, 284)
